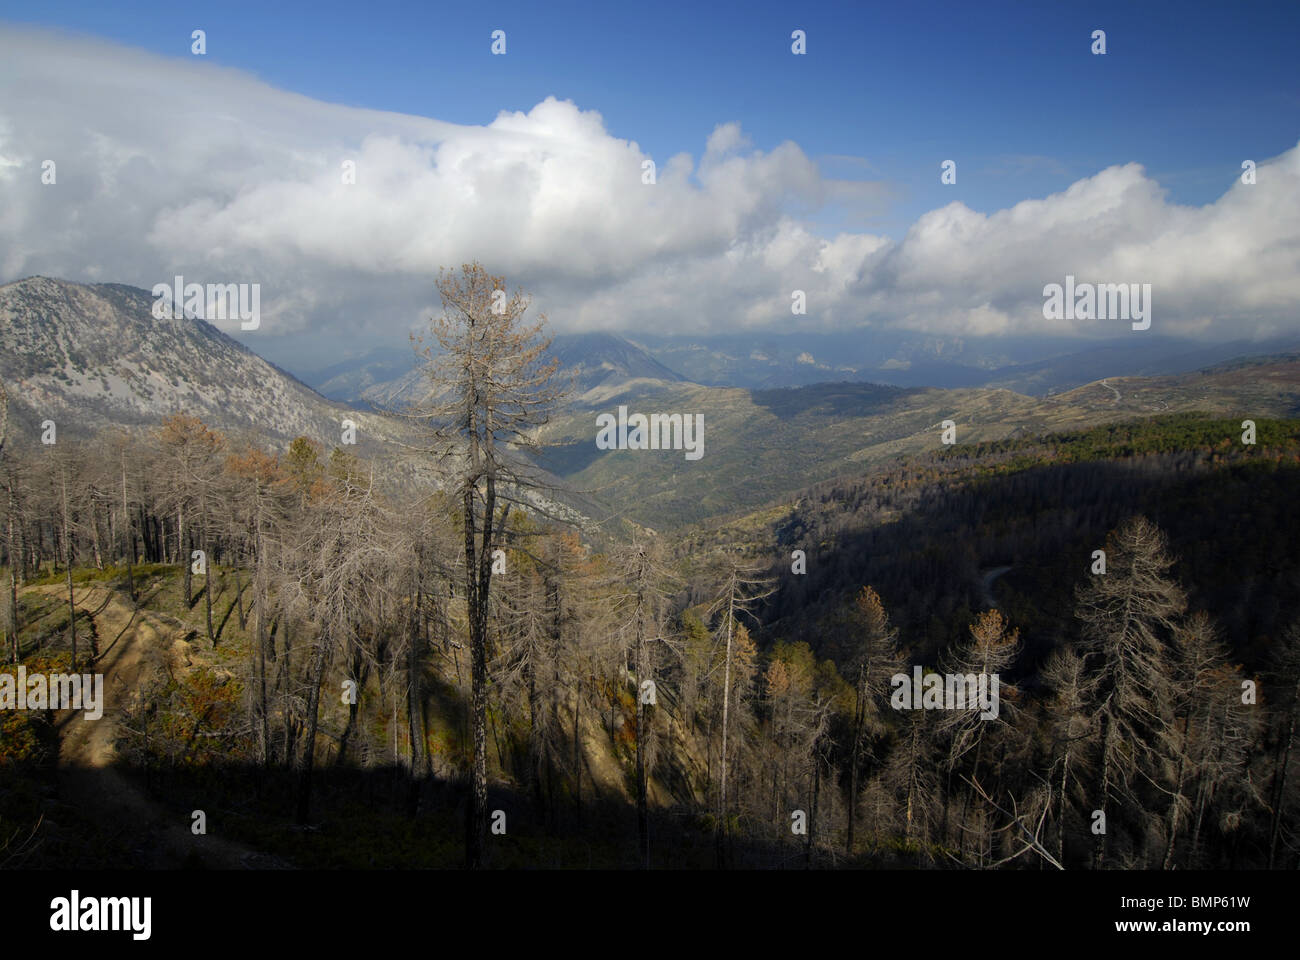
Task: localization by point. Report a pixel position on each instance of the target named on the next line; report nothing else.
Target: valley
(327, 564)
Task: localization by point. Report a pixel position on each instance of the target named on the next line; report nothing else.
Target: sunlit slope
(762, 445)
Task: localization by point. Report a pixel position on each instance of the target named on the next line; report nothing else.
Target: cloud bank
(169, 166)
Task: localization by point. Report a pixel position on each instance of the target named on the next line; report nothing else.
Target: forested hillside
(928, 530)
(666, 702)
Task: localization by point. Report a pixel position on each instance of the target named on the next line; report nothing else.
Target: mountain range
(763, 361)
(92, 356)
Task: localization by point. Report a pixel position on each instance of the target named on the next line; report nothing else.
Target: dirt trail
(133, 646)
(986, 585)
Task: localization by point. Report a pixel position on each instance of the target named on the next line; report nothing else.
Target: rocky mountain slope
(91, 356)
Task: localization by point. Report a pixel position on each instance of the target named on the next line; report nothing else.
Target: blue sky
(1008, 90)
(817, 173)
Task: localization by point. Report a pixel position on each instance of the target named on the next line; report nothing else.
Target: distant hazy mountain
(347, 380)
(596, 362)
(599, 359)
(91, 356)
(1129, 358)
(773, 360)
(1037, 367)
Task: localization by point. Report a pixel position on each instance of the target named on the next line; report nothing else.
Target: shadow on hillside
(832, 399)
(134, 818)
(924, 545)
(566, 459)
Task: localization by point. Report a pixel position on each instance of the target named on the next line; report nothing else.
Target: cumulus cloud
(169, 166)
(1230, 265)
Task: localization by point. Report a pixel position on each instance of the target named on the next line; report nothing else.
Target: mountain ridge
(91, 355)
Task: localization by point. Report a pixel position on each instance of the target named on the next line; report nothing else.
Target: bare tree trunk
(577, 749)
(642, 802)
(534, 747)
(414, 699)
(1279, 792)
(128, 535)
(313, 717)
(812, 814)
(859, 716)
(264, 717)
(1061, 805)
(15, 561)
(259, 598)
(1174, 800)
(94, 537)
(357, 677)
(207, 586)
(283, 682)
(726, 704)
(967, 797)
(478, 573)
(67, 546)
(1204, 789)
(11, 624)
(1099, 856)
(239, 596)
(183, 552)
(149, 527)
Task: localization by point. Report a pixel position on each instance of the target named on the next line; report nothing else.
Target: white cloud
(172, 166)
